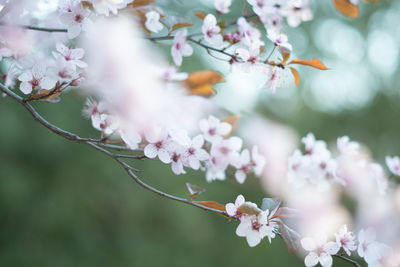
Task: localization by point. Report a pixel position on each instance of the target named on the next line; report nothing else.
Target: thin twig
(37, 28)
(353, 262)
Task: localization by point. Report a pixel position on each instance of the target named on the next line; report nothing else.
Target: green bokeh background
(65, 204)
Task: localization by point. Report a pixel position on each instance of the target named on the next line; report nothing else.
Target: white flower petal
(311, 259)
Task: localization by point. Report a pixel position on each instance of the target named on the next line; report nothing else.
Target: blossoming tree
(146, 107)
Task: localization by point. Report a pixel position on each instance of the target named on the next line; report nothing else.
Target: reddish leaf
(45, 95)
(286, 213)
(194, 190)
(346, 8)
(180, 25)
(200, 82)
(200, 15)
(139, 3)
(296, 76)
(248, 208)
(212, 204)
(315, 63)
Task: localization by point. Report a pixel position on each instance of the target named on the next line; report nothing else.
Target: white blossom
(211, 31)
(180, 48)
(75, 17)
(346, 240)
(153, 21)
(222, 6)
(35, 79)
(393, 164)
(213, 129)
(320, 251)
(72, 56)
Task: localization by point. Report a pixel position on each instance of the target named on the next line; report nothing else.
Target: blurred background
(64, 204)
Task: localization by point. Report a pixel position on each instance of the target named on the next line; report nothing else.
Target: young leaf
(212, 204)
(296, 76)
(180, 25)
(291, 238)
(315, 63)
(199, 82)
(45, 95)
(139, 3)
(234, 121)
(200, 15)
(346, 8)
(194, 190)
(249, 208)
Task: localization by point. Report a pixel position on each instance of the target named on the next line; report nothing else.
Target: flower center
(35, 82)
(78, 18)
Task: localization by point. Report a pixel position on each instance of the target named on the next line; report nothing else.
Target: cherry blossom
(222, 6)
(170, 74)
(296, 11)
(226, 150)
(158, 144)
(258, 161)
(369, 249)
(177, 153)
(255, 228)
(75, 17)
(347, 147)
(393, 164)
(346, 240)
(232, 208)
(213, 129)
(319, 250)
(104, 7)
(194, 153)
(211, 31)
(130, 137)
(249, 59)
(274, 76)
(72, 56)
(35, 79)
(153, 21)
(280, 40)
(180, 47)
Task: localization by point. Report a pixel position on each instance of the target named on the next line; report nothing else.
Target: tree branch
(37, 28)
(101, 147)
(353, 262)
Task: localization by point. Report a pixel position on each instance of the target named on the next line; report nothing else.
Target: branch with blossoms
(145, 108)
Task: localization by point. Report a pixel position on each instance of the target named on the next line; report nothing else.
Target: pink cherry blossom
(320, 251)
(393, 164)
(75, 16)
(296, 11)
(104, 7)
(153, 21)
(159, 141)
(213, 129)
(211, 31)
(194, 153)
(232, 208)
(255, 228)
(346, 240)
(222, 6)
(280, 40)
(35, 79)
(72, 56)
(180, 48)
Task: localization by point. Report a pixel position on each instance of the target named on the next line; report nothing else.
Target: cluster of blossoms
(64, 70)
(319, 167)
(321, 251)
(248, 52)
(209, 151)
(255, 223)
